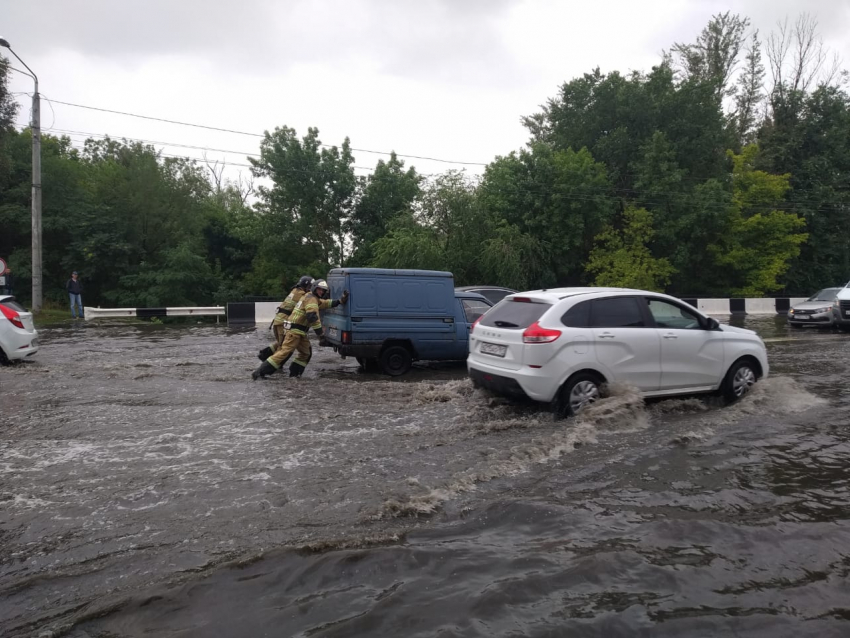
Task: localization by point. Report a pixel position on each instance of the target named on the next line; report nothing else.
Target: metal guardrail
(199, 311)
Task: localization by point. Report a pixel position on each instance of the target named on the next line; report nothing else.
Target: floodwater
(150, 488)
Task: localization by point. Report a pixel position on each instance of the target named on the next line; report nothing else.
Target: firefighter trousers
(279, 331)
(292, 343)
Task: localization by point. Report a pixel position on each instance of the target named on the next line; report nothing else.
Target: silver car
(815, 311)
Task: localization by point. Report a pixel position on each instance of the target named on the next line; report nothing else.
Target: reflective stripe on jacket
(285, 309)
(306, 314)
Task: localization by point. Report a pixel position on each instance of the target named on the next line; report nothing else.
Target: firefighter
(282, 316)
(303, 317)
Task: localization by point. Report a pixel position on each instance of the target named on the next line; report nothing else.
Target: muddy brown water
(149, 488)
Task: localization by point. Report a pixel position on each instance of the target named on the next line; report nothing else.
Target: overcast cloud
(439, 78)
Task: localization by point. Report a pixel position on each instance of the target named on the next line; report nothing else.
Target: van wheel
(576, 394)
(738, 381)
(396, 360)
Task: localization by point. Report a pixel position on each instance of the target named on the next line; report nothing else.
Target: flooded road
(150, 488)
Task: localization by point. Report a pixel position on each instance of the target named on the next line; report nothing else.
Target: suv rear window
(14, 305)
(514, 314)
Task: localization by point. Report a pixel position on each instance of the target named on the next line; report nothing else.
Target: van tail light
(12, 315)
(535, 334)
(346, 337)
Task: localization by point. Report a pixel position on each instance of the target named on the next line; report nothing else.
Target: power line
(236, 132)
(77, 134)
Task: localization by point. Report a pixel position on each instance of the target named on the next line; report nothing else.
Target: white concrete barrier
(714, 306)
(264, 311)
(760, 306)
(199, 311)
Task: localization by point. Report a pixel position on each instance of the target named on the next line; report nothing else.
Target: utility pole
(37, 290)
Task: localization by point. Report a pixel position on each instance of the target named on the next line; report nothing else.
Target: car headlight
(819, 310)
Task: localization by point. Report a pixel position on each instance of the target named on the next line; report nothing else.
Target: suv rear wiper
(506, 324)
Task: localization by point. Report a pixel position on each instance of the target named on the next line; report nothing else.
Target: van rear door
(336, 321)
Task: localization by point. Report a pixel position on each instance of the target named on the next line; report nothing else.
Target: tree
(387, 193)
(622, 258)
(761, 242)
(8, 111)
(750, 93)
(713, 57)
(559, 200)
(309, 200)
(814, 148)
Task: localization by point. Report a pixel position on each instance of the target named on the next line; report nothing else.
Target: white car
(18, 336)
(561, 345)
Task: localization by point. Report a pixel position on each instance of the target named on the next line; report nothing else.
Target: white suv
(18, 336)
(562, 345)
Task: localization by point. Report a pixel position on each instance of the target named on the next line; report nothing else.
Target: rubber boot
(265, 369)
(265, 353)
(296, 370)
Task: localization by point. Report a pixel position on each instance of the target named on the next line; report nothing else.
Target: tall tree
(750, 93)
(560, 199)
(713, 57)
(8, 111)
(762, 240)
(305, 208)
(387, 193)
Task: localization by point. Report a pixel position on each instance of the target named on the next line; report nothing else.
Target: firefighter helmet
(305, 282)
(321, 283)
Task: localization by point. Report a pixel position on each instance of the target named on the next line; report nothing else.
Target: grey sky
(440, 78)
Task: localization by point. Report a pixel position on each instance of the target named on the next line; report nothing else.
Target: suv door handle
(671, 335)
(606, 335)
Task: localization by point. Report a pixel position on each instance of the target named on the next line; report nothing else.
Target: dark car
(493, 293)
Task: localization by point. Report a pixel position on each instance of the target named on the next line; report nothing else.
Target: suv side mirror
(712, 324)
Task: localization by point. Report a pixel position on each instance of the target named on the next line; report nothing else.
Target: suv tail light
(12, 315)
(535, 334)
(475, 323)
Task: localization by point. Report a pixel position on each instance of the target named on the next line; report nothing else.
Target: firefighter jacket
(306, 314)
(285, 309)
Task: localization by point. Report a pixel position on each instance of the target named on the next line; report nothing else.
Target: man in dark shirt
(75, 289)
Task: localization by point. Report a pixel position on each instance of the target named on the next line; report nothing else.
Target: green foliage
(761, 242)
(622, 258)
(8, 111)
(388, 193)
(182, 278)
(305, 209)
(557, 200)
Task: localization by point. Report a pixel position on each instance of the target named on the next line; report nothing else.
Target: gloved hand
(344, 297)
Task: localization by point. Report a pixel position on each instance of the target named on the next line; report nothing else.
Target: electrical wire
(237, 132)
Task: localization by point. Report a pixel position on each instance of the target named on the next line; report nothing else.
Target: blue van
(394, 317)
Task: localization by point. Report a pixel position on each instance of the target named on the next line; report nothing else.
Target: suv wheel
(577, 393)
(738, 381)
(396, 360)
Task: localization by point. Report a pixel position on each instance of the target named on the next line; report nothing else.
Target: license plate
(847, 313)
(333, 333)
(493, 349)
(801, 316)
